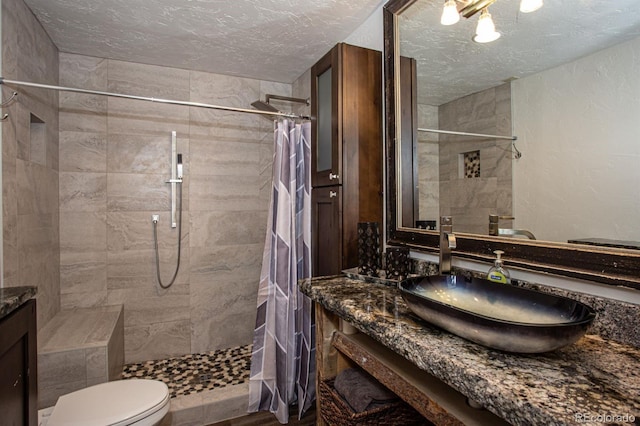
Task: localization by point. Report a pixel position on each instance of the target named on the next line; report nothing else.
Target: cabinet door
(326, 231)
(13, 379)
(18, 372)
(326, 168)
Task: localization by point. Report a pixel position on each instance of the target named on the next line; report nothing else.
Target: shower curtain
(283, 357)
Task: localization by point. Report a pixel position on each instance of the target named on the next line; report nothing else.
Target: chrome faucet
(447, 243)
(494, 228)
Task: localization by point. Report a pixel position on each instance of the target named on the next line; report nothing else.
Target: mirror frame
(611, 266)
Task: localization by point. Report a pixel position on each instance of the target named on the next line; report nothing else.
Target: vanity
(18, 356)
(454, 155)
(444, 376)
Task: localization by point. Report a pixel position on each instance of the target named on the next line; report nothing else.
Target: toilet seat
(117, 403)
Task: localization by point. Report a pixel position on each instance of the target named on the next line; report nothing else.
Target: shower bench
(79, 348)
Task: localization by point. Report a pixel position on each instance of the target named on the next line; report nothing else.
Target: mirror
(562, 79)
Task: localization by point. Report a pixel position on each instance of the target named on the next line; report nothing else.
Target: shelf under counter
(590, 378)
(431, 397)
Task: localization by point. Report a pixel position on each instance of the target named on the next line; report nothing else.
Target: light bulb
(486, 30)
(450, 13)
(527, 6)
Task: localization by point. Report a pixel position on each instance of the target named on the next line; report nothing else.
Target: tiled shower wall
(114, 161)
(428, 161)
(30, 160)
(471, 200)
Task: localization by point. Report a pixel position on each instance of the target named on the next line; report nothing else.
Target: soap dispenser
(497, 273)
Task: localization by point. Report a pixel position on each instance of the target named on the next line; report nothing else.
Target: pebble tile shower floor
(194, 373)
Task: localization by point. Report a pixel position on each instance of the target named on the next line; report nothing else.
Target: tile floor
(189, 374)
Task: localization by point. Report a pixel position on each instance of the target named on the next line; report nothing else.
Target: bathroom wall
(369, 34)
(301, 88)
(577, 127)
(30, 160)
(475, 174)
(114, 161)
(428, 164)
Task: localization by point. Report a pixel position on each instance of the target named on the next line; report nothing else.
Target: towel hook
(5, 103)
(518, 154)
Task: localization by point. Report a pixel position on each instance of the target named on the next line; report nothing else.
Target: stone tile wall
(428, 161)
(30, 160)
(115, 159)
(77, 349)
(471, 200)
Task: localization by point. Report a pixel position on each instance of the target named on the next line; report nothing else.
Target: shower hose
(155, 242)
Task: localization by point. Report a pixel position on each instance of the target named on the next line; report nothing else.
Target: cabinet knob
(333, 194)
(333, 176)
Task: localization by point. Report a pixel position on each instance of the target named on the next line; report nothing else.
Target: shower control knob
(333, 176)
(333, 194)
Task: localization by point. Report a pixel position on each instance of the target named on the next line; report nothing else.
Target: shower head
(264, 106)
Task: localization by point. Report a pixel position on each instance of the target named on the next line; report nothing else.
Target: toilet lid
(116, 403)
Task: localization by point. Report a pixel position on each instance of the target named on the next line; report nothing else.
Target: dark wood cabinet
(18, 374)
(346, 153)
(326, 232)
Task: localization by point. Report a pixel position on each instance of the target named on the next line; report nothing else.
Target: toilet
(117, 403)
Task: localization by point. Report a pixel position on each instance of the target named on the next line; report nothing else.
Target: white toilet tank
(117, 403)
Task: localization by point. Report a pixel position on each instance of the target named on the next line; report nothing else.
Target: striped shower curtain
(283, 357)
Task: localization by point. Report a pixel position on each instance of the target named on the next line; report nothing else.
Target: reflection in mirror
(558, 151)
(563, 80)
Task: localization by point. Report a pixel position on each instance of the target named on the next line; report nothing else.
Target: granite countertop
(573, 385)
(12, 297)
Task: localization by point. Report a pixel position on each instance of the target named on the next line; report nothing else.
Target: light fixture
(486, 29)
(450, 13)
(527, 6)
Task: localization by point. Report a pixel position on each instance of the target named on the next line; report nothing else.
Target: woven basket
(337, 412)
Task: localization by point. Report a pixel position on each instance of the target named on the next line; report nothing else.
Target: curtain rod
(450, 132)
(144, 98)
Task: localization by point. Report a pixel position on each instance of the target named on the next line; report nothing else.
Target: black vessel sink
(500, 316)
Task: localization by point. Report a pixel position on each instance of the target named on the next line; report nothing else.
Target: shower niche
(37, 140)
(346, 153)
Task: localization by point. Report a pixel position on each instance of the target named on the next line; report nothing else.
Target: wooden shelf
(431, 397)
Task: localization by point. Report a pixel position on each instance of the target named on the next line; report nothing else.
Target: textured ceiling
(450, 65)
(278, 40)
(274, 40)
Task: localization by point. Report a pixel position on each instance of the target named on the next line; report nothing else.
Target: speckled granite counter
(573, 385)
(12, 297)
